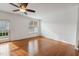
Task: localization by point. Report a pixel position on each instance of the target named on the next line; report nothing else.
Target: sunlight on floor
(4, 49)
(33, 47)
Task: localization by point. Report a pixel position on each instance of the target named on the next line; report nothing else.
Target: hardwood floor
(38, 46)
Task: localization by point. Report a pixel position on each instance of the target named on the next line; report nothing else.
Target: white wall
(18, 25)
(61, 26)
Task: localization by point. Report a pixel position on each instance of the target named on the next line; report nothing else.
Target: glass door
(4, 31)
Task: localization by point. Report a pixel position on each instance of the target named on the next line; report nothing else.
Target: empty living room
(39, 29)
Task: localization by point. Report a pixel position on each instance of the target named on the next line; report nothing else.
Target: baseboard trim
(75, 47)
(20, 39)
(42, 37)
(61, 41)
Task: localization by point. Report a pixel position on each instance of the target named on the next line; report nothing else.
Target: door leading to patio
(4, 31)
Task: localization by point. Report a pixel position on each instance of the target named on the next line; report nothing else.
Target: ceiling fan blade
(30, 10)
(16, 10)
(25, 13)
(14, 5)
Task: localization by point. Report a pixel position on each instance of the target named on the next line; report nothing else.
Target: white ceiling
(42, 9)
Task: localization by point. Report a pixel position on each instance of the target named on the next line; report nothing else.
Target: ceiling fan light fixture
(22, 10)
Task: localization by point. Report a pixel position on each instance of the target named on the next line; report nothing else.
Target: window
(33, 26)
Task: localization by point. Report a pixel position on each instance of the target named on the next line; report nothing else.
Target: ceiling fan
(22, 8)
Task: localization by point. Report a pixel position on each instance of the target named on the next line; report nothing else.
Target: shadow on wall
(48, 34)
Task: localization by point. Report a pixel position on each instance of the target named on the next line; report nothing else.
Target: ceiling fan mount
(22, 8)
